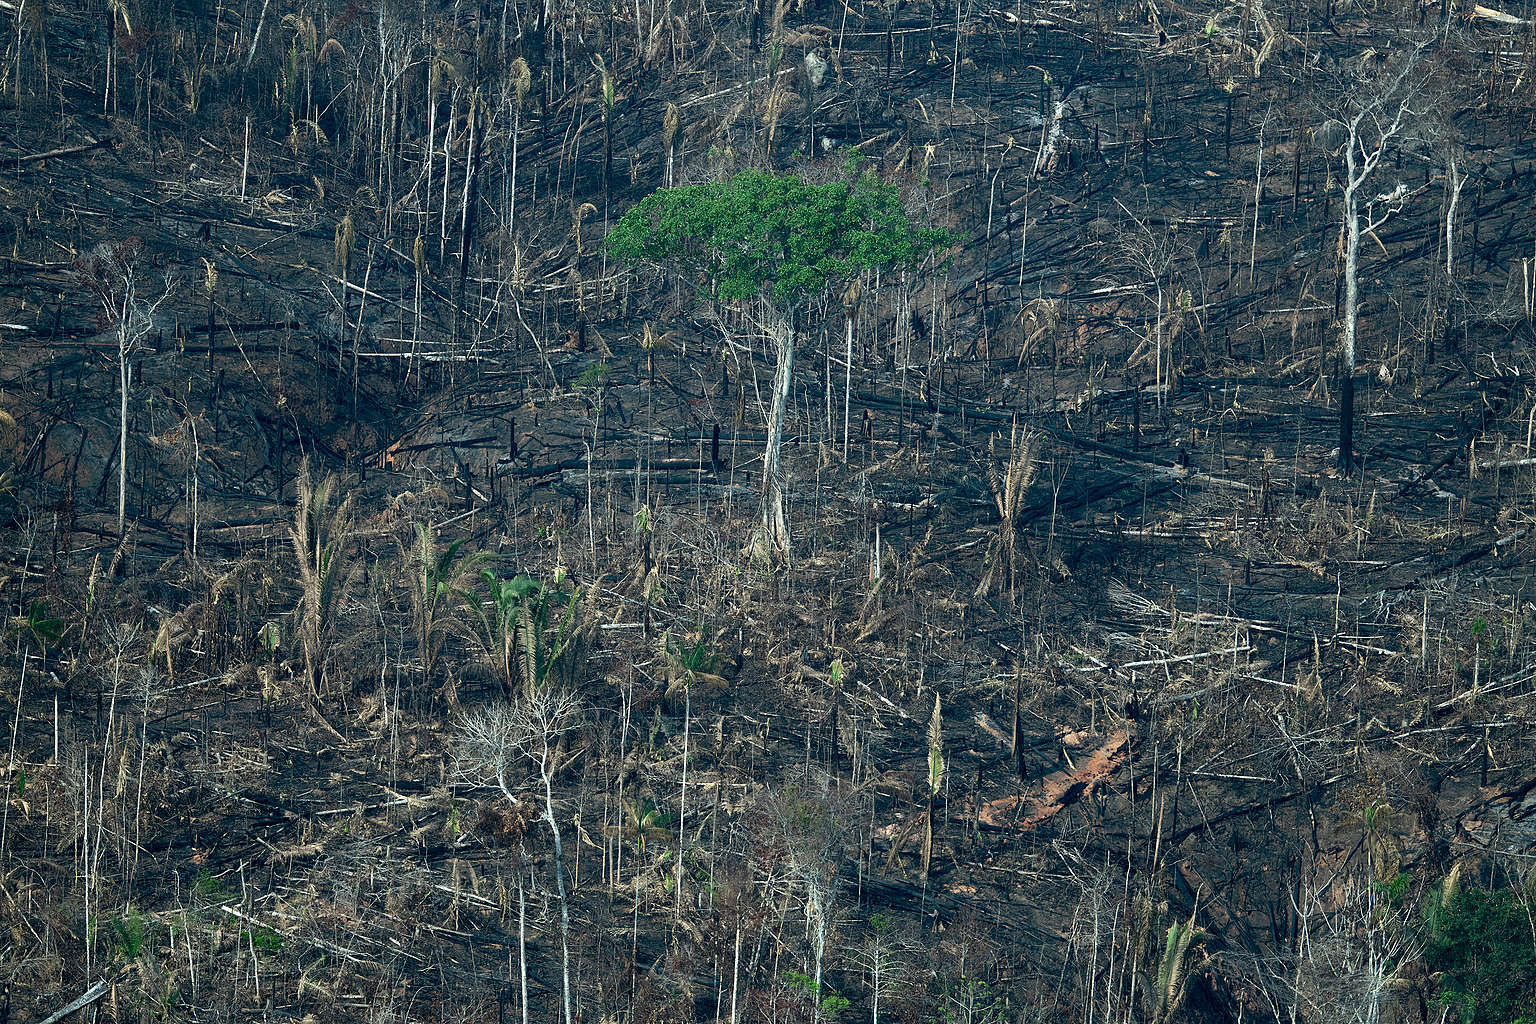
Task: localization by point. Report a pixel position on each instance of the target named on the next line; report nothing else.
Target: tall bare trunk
(522, 939)
(124, 381)
(774, 526)
(565, 908)
(1456, 182)
(1347, 347)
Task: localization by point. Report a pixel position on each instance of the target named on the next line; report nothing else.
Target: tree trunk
(565, 909)
(682, 797)
(522, 939)
(1347, 347)
(124, 380)
(774, 526)
(517, 127)
(847, 383)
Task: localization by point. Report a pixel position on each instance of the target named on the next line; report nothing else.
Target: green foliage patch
(758, 231)
(1482, 944)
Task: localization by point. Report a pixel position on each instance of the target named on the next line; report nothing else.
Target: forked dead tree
(116, 272)
(494, 743)
(1371, 112)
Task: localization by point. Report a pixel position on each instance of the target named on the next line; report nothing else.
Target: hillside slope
(1095, 686)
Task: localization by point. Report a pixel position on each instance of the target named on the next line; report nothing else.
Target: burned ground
(1189, 673)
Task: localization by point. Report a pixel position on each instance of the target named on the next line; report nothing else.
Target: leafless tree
(1371, 109)
(1152, 255)
(494, 743)
(884, 957)
(117, 273)
(806, 825)
(1350, 958)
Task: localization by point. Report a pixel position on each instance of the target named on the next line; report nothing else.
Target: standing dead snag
(1155, 254)
(782, 243)
(1369, 114)
(114, 272)
(493, 742)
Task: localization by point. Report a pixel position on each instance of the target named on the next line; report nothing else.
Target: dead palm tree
(320, 536)
(1009, 482)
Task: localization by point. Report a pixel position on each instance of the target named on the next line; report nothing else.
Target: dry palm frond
(1009, 483)
(346, 238)
(331, 46)
(320, 536)
(1041, 318)
(576, 220)
(669, 124)
(522, 80)
(1131, 604)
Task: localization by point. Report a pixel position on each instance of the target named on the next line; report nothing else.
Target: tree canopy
(758, 232)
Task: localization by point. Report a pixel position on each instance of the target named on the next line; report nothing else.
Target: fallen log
(32, 158)
(1059, 790)
(83, 1000)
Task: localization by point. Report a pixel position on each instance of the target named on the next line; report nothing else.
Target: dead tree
(115, 272)
(1370, 113)
(493, 742)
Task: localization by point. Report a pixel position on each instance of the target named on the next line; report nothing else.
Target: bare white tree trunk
(847, 384)
(1351, 315)
(1377, 116)
(1456, 183)
(522, 941)
(124, 381)
(547, 770)
(774, 525)
(442, 224)
(735, 970)
(1158, 376)
(1258, 195)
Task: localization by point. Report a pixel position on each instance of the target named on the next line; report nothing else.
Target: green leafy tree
(782, 242)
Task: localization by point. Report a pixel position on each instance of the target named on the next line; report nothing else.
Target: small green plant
(971, 1001)
(128, 934)
(688, 662)
(524, 627)
(1165, 992)
(40, 627)
(1392, 890)
(262, 939)
(831, 1003)
(593, 377)
(211, 890)
(646, 820)
(270, 636)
